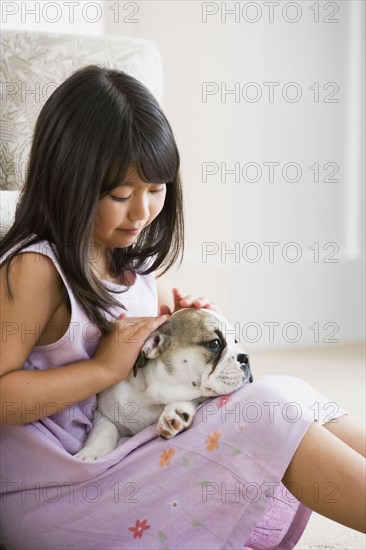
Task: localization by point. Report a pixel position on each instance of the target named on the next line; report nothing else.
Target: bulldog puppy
(192, 357)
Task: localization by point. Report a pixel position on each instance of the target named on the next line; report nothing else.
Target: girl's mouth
(131, 231)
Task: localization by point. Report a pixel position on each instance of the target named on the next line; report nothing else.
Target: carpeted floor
(338, 372)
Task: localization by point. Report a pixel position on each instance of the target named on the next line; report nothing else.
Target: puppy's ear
(155, 344)
(151, 349)
(139, 363)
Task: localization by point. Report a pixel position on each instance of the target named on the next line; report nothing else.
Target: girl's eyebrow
(126, 184)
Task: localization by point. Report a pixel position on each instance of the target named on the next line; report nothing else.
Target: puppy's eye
(236, 342)
(194, 384)
(214, 345)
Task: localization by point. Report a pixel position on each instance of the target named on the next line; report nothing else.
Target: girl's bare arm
(27, 395)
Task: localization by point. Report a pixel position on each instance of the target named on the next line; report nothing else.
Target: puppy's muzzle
(243, 359)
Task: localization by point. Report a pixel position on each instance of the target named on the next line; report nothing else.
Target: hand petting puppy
(181, 301)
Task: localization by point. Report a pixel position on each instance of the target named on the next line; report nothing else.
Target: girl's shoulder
(31, 277)
(33, 273)
(29, 245)
(32, 299)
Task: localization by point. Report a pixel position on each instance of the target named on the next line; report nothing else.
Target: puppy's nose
(243, 358)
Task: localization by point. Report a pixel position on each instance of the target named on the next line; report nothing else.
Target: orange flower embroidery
(223, 400)
(165, 457)
(212, 441)
(139, 528)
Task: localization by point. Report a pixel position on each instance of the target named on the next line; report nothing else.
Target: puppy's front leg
(175, 418)
(102, 439)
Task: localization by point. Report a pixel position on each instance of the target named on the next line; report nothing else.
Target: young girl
(99, 216)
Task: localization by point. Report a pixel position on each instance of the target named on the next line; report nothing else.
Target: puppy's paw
(175, 418)
(91, 453)
(87, 456)
(101, 440)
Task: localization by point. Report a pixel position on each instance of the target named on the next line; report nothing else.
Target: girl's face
(126, 210)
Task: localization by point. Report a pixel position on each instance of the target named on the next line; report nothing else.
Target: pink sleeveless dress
(215, 486)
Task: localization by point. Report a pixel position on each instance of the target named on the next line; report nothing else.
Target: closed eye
(155, 191)
(120, 199)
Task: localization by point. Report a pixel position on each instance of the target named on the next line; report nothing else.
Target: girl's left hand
(181, 302)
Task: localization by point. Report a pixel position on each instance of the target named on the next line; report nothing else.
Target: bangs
(156, 163)
(148, 146)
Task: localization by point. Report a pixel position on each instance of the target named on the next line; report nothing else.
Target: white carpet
(338, 372)
(324, 533)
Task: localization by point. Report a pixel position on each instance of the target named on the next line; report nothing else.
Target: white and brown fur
(190, 358)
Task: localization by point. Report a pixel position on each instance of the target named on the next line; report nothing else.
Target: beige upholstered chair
(32, 65)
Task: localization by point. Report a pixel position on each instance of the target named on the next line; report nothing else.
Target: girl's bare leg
(349, 432)
(328, 476)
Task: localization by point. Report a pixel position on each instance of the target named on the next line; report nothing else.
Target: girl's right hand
(117, 351)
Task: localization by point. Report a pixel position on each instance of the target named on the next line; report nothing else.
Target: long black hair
(94, 126)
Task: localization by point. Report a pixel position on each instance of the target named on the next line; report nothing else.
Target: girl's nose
(139, 209)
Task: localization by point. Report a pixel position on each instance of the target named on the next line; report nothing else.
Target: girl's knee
(284, 404)
(282, 389)
(293, 397)
(275, 399)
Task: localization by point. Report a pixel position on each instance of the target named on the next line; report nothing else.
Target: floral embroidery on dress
(185, 461)
(165, 457)
(212, 441)
(240, 428)
(139, 528)
(174, 504)
(162, 539)
(223, 400)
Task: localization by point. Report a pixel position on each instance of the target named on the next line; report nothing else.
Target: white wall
(321, 52)
(69, 17)
(310, 48)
